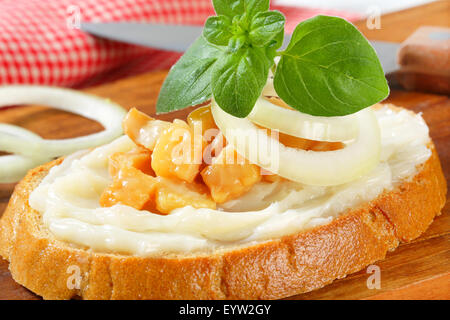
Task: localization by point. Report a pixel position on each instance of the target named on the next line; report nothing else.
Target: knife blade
(161, 36)
(180, 37)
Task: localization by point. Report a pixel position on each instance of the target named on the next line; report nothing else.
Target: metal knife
(179, 38)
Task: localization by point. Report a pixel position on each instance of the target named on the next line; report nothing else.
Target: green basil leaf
(329, 69)
(233, 8)
(217, 30)
(238, 79)
(265, 27)
(236, 43)
(252, 7)
(277, 42)
(188, 82)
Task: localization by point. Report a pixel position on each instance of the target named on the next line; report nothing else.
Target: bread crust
(274, 269)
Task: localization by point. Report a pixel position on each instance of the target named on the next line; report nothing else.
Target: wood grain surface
(417, 270)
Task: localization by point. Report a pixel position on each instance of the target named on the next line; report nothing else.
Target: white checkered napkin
(40, 44)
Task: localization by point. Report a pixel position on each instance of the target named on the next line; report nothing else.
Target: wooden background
(417, 270)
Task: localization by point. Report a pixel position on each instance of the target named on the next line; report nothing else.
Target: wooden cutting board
(416, 270)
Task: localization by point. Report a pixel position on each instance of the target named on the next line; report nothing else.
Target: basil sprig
(328, 68)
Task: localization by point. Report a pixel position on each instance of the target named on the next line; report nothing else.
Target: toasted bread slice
(269, 270)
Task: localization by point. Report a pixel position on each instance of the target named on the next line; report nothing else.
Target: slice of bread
(269, 270)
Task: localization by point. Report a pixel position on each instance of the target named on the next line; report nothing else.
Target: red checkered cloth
(40, 44)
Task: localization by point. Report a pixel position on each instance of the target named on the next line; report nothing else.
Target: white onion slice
(16, 139)
(14, 167)
(269, 89)
(30, 150)
(18, 131)
(107, 113)
(323, 168)
(302, 125)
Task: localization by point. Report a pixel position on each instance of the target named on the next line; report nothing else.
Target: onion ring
(325, 168)
(14, 167)
(107, 113)
(11, 137)
(301, 125)
(29, 149)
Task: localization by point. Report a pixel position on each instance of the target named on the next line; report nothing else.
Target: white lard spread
(69, 197)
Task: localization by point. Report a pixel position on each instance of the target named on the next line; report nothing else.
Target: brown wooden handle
(424, 60)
